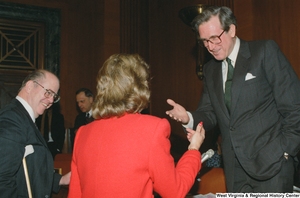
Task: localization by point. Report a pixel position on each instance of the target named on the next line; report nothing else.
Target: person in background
(84, 99)
(130, 151)
(251, 92)
(52, 127)
(22, 147)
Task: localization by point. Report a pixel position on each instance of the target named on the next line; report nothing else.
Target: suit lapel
(33, 126)
(240, 71)
(39, 135)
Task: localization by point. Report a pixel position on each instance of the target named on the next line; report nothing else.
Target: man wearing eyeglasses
(26, 162)
(252, 93)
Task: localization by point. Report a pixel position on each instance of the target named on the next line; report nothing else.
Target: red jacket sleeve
(171, 181)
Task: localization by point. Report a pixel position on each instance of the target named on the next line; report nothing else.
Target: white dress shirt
(27, 107)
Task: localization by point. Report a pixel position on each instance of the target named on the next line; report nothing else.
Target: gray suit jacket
(16, 131)
(265, 110)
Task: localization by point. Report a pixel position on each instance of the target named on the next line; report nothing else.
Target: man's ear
(232, 30)
(91, 99)
(29, 86)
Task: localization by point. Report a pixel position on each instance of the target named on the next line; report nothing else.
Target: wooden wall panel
(91, 32)
(243, 11)
(271, 19)
(172, 55)
(134, 27)
(278, 20)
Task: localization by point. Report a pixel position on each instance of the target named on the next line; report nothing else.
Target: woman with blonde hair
(124, 153)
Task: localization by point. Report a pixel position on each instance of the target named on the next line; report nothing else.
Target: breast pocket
(255, 91)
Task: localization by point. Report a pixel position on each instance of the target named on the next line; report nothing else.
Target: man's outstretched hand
(178, 112)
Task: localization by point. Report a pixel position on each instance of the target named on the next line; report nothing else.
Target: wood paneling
(134, 27)
(278, 20)
(243, 11)
(90, 33)
(92, 30)
(271, 19)
(172, 54)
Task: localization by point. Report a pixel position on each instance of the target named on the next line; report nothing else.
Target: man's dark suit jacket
(16, 131)
(79, 121)
(57, 131)
(82, 120)
(265, 110)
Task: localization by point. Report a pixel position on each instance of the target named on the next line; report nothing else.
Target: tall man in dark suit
(259, 118)
(18, 130)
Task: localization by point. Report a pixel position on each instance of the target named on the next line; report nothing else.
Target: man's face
(84, 102)
(36, 94)
(213, 28)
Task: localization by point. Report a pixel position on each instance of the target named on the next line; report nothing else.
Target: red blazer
(129, 157)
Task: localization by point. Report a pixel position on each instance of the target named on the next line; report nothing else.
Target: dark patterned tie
(228, 84)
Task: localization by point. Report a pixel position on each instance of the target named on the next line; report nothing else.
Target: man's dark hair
(87, 92)
(225, 15)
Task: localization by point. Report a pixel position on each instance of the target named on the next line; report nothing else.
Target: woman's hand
(196, 138)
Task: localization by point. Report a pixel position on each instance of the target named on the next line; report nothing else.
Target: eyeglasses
(213, 40)
(49, 93)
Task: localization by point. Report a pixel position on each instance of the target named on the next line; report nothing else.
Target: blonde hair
(122, 86)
